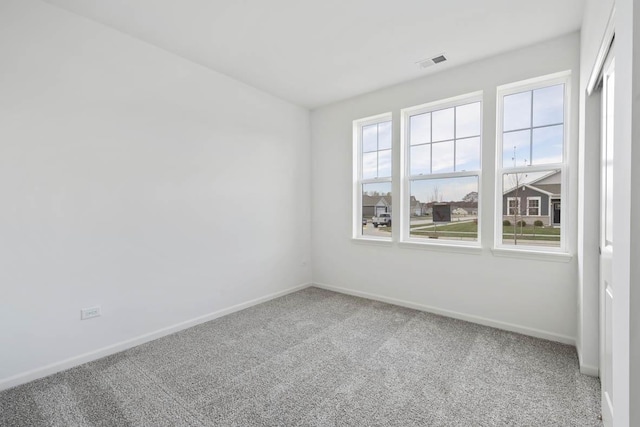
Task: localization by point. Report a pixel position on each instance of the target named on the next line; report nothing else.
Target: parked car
(364, 221)
(382, 219)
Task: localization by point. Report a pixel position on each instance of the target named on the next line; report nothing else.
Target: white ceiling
(317, 52)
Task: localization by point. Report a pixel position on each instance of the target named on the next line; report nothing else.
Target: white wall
(138, 181)
(634, 283)
(595, 20)
(532, 296)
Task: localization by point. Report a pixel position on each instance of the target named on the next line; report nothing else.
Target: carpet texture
(318, 358)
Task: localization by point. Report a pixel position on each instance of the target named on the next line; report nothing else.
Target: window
(533, 206)
(441, 170)
(514, 205)
(532, 162)
(372, 142)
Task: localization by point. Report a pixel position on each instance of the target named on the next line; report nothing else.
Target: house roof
(548, 184)
(551, 189)
(374, 200)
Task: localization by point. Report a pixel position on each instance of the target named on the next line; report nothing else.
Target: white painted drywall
(135, 180)
(317, 52)
(595, 20)
(530, 295)
(634, 282)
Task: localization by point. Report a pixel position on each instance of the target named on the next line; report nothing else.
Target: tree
(471, 197)
(517, 180)
(436, 196)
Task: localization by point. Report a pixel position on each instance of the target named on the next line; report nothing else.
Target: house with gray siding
(536, 200)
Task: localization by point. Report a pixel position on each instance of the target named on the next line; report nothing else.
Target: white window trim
(563, 77)
(405, 176)
(357, 174)
(509, 199)
(539, 207)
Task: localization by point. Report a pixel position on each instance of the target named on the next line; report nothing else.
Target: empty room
(319, 213)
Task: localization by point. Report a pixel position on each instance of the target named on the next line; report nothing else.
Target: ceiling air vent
(431, 61)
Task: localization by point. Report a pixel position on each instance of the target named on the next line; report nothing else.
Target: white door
(607, 292)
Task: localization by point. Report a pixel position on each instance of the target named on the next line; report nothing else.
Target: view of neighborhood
(531, 209)
(444, 171)
(462, 225)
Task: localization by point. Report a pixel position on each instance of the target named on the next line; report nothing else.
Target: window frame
(502, 91)
(405, 173)
(517, 207)
(539, 199)
(358, 182)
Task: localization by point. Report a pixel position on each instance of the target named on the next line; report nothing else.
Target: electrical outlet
(88, 313)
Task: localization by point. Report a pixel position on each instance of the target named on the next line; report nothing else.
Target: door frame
(606, 288)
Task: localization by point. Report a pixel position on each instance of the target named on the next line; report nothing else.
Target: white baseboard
(71, 362)
(551, 336)
(592, 371)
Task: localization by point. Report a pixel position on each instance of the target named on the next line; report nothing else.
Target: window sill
(442, 247)
(532, 254)
(371, 241)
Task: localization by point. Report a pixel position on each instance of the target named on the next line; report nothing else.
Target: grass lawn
(530, 233)
(456, 229)
(470, 230)
(547, 231)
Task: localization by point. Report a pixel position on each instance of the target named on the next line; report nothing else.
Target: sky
(448, 140)
(453, 189)
(524, 145)
(445, 140)
(449, 189)
(376, 150)
(380, 187)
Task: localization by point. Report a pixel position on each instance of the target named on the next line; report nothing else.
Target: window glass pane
(376, 202)
(548, 105)
(517, 111)
(420, 160)
(531, 208)
(384, 163)
(369, 165)
(442, 157)
(547, 145)
(516, 149)
(420, 131)
(513, 205)
(468, 154)
(468, 120)
(442, 124)
(384, 136)
(369, 138)
(435, 198)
